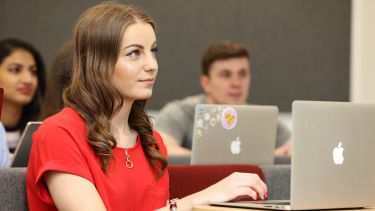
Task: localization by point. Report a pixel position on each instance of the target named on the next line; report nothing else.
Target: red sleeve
(163, 150)
(55, 148)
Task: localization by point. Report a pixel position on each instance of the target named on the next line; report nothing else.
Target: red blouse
(60, 144)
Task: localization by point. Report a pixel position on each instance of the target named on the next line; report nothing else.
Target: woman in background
(59, 76)
(100, 152)
(22, 75)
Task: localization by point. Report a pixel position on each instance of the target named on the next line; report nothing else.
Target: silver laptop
(22, 153)
(333, 157)
(234, 134)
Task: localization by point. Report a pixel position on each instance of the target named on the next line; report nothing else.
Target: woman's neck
(124, 135)
(11, 114)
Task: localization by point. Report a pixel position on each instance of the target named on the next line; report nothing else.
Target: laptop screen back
(333, 155)
(332, 160)
(234, 134)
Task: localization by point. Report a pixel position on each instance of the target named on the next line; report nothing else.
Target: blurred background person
(59, 76)
(22, 75)
(225, 79)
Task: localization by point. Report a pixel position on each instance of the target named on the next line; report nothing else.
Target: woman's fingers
(252, 181)
(234, 186)
(247, 191)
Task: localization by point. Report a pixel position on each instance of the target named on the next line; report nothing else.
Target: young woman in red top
(100, 152)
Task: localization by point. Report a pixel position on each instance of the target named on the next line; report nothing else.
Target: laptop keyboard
(272, 202)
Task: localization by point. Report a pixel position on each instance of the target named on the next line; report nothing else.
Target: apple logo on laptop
(338, 156)
(235, 146)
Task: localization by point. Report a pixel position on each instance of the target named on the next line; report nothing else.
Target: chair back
(188, 179)
(13, 189)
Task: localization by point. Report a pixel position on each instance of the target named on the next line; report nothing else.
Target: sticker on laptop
(199, 132)
(229, 118)
(207, 119)
(213, 121)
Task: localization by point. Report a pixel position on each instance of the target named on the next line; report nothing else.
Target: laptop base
(266, 205)
(270, 205)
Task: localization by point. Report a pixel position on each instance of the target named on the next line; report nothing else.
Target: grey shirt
(176, 118)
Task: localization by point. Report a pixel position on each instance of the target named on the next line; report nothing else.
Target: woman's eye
(155, 50)
(15, 69)
(134, 53)
(33, 71)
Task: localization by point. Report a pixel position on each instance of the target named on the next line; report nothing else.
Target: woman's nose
(27, 76)
(151, 64)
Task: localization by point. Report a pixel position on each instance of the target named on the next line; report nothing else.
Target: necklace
(129, 163)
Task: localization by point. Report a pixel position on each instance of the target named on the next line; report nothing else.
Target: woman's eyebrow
(133, 45)
(14, 64)
(138, 46)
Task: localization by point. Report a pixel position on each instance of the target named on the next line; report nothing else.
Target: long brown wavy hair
(97, 39)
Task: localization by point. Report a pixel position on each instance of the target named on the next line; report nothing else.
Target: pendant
(129, 163)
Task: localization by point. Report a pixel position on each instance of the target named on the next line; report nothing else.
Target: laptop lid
(332, 159)
(333, 155)
(22, 153)
(234, 134)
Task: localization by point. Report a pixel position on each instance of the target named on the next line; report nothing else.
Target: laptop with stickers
(333, 156)
(234, 134)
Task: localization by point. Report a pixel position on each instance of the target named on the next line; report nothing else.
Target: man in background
(225, 79)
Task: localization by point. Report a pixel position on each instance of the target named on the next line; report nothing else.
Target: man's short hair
(223, 50)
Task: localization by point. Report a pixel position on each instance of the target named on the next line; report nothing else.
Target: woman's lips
(25, 90)
(147, 81)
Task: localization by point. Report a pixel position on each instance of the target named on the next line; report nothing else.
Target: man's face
(228, 81)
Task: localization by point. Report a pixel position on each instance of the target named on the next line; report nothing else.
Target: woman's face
(136, 68)
(18, 77)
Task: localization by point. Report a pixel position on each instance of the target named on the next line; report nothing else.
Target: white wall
(362, 80)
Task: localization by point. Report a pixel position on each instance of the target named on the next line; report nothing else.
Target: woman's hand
(234, 186)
